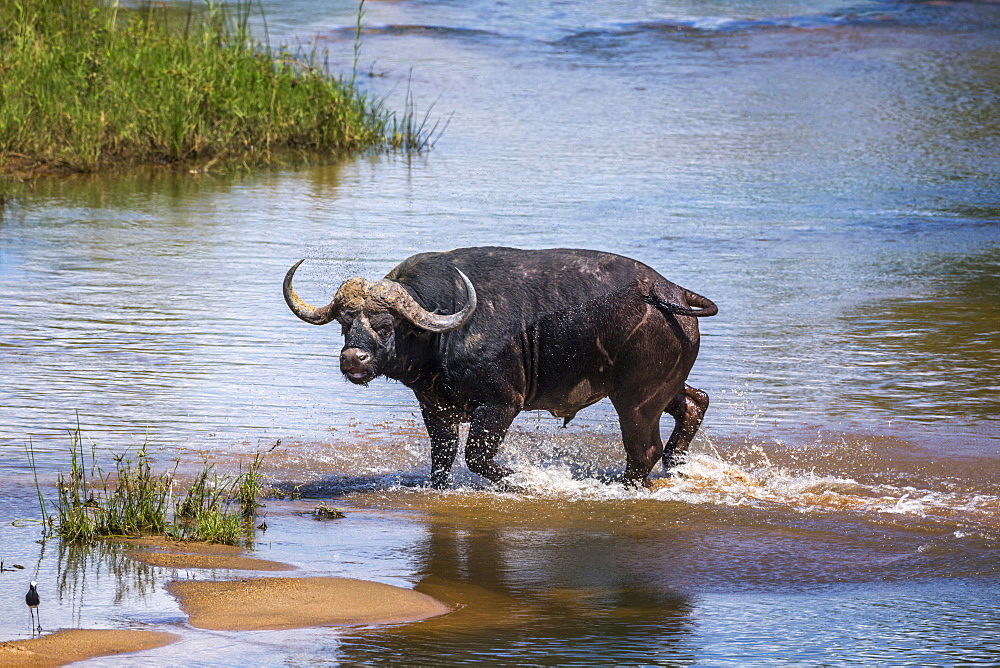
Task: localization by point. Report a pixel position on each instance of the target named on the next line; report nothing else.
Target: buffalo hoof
(509, 486)
(440, 481)
(671, 464)
(635, 483)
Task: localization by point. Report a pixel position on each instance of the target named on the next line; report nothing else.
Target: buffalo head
(372, 313)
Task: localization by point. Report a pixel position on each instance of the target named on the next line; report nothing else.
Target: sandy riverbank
(69, 645)
(286, 603)
(157, 551)
(234, 605)
(276, 603)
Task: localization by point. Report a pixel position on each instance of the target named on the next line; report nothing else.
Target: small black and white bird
(31, 598)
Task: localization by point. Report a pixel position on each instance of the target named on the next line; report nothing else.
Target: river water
(827, 172)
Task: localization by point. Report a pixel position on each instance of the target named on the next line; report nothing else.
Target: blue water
(827, 172)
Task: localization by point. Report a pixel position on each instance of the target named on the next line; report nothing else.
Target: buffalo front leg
(489, 426)
(444, 445)
(688, 410)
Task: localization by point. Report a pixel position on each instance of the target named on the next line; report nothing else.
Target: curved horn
(400, 301)
(311, 314)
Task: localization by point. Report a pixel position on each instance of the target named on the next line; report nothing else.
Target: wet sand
(166, 553)
(287, 603)
(68, 646)
(276, 603)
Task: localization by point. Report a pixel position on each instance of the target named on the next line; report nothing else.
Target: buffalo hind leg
(641, 437)
(489, 426)
(688, 410)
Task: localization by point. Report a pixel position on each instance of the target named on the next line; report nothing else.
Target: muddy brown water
(827, 172)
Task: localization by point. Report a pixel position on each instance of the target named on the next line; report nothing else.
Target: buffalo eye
(345, 325)
(382, 326)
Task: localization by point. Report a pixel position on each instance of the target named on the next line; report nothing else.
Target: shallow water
(827, 172)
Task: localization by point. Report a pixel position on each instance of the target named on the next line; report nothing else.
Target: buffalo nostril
(354, 357)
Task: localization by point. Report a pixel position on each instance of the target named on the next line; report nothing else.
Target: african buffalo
(481, 334)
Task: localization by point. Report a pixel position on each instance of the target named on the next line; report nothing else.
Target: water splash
(711, 478)
(586, 464)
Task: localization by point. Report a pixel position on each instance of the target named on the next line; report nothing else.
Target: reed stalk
(357, 41)
(29, 450)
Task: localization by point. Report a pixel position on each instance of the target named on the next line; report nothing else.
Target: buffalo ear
(407, 329)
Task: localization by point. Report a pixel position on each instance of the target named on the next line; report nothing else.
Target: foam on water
(586, 465)
(710, 478)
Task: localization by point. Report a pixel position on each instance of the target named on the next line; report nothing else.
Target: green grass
(135, 499)
(86, 85)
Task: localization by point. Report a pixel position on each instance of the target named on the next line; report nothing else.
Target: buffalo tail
(704, 306)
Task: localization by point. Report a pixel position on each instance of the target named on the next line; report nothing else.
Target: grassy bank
(86, 85)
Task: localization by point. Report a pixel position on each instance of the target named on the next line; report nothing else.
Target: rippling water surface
(827, 172)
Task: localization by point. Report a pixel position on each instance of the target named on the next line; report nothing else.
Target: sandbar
(273, 603)
(69, 645)
(183, 554)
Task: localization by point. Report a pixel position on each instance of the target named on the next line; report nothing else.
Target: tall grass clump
(87, 85)
(135, 499)
(218, 509)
